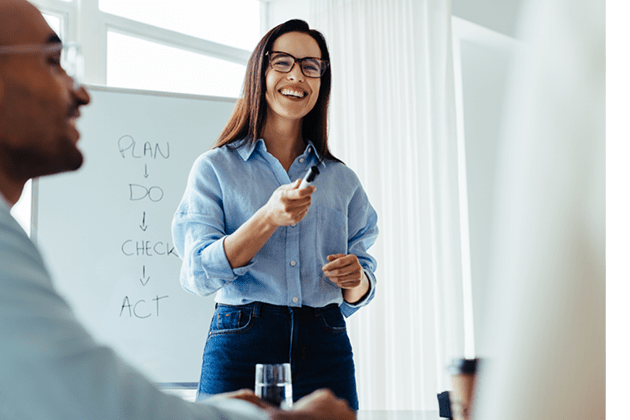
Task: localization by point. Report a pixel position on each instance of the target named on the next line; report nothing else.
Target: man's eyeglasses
(284, 62)
(70, 57)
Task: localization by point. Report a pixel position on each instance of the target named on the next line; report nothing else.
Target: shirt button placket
(293, 253)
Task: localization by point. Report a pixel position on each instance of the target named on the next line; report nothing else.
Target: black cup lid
(463, 366)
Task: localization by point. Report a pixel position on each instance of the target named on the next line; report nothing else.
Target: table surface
(189, 393)
(397, 415)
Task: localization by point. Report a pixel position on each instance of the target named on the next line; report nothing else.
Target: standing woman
(287, 264)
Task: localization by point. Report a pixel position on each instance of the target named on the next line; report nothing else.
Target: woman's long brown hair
(248, 118)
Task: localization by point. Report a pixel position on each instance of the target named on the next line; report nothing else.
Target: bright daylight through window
(235, 22)
(137, 63)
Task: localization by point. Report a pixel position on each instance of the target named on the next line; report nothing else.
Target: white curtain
(392, 120)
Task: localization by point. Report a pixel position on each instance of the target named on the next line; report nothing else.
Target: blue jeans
(313, 340)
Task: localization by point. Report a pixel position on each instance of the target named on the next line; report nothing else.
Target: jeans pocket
(229, 319)
(332, 319)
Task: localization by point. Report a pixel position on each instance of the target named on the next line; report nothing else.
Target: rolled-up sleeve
(362, 233)
(199, 232)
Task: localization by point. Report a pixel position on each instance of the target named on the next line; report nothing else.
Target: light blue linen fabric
(227, 185)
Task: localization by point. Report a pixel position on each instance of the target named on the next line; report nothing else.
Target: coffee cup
(463, 374)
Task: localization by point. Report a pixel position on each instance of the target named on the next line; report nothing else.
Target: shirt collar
(313, 150)
(247, 150)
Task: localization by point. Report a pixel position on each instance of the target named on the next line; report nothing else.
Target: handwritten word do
(128, 147)
(140, 192)
(140, 308)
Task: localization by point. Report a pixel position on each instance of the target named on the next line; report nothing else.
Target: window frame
(84, 23)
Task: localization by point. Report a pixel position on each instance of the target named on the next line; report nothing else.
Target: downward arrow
(144, 277)
(143, 226)
(146, 171)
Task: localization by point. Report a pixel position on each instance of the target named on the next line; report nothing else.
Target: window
(136, 63)
(186, 46)
(55, 23)
(235, 22)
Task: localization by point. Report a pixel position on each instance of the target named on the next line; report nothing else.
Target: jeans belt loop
(256, 309)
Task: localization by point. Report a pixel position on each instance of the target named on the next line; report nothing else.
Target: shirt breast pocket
(332, 233)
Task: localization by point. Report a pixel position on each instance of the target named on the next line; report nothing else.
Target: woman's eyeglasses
(284, 62)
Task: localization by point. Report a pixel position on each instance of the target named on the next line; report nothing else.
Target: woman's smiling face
(292, 95)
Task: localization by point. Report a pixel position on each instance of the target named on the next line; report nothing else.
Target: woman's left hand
(344, 270)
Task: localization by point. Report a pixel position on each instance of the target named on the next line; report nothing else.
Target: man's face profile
(38, 102)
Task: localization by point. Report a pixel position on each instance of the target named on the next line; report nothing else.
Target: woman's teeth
(293, 93)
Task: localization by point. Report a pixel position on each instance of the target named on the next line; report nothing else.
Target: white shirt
(50, 366)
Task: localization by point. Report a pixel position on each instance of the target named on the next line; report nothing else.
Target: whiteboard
(105, 230)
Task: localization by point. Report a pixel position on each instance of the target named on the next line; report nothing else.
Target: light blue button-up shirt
(226, 186)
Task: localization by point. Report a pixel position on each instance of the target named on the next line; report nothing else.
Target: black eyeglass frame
(324, 63)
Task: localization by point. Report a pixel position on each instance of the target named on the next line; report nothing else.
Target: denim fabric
(313, 340)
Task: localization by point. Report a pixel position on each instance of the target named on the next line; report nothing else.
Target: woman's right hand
(288, 205)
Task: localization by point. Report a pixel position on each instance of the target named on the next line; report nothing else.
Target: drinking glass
(273, 384)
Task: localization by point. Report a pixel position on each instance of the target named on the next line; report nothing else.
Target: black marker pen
(310, 177)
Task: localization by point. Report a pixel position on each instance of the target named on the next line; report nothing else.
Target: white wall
(483, 63)
(484, 73)
(498, 15)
